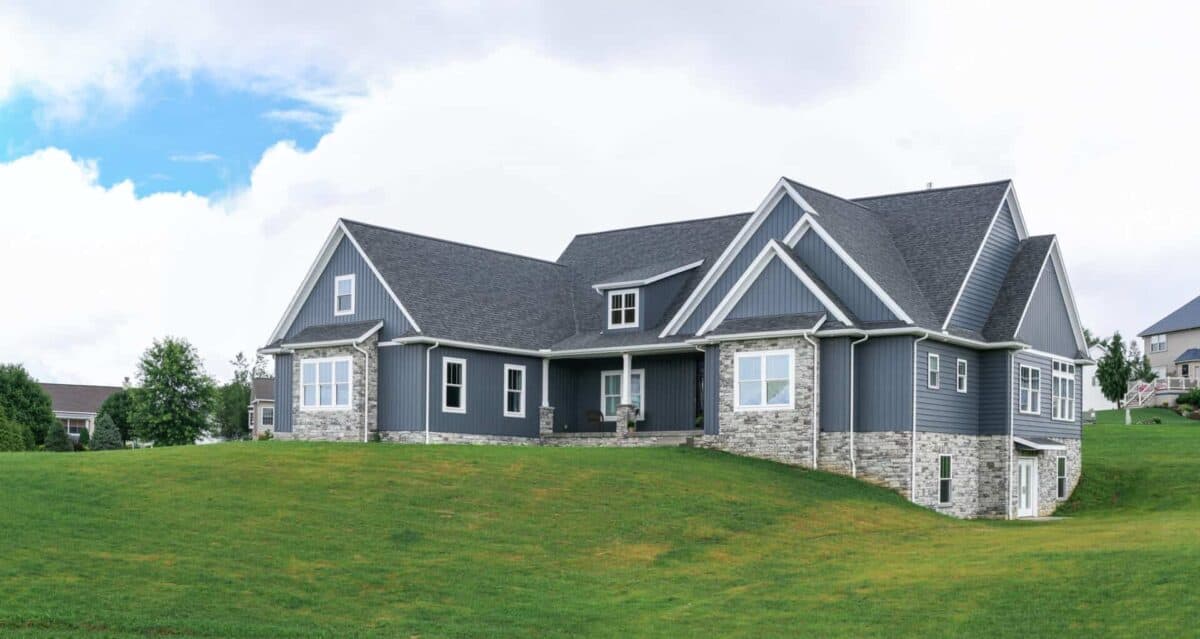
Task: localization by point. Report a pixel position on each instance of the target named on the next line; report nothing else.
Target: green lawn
(277, 539)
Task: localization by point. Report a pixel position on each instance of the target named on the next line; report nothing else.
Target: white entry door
(1027, 487)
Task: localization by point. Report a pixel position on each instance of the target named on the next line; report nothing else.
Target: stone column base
(545, 420)
(625, 413)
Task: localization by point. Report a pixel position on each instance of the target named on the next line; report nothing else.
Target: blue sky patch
(182, 134)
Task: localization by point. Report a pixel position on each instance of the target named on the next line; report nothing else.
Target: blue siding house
(922, 341)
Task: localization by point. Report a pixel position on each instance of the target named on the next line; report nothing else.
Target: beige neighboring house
(76, 405)
(262, 405)
(1173, 346)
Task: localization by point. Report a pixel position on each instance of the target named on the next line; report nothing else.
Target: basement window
(1062, 477)
(943, 479)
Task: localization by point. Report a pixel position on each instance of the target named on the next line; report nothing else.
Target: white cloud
(304, 117)
(202, 156)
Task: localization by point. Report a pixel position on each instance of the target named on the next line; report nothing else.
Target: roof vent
(928, 186)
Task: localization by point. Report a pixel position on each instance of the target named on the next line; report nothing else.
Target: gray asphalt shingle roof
(77, 398)
(263, 388)
(1183, 318)
(1017, 287)
(796, 322)
(1190, 355)
(646, 272)
(330, 332)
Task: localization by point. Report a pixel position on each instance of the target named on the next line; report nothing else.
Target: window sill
(342, 313)
(325, 409)
(515, 415)
(1023, 412)
(457, 411)
(1065, 421)
(760, 409)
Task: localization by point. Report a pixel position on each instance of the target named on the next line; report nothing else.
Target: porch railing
(1142, 393)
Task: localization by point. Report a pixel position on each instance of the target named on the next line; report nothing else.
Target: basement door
(1027, 487)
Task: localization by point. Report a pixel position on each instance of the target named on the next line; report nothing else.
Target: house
(1093, 395)
(76, 405)
(922, 341)
(1173, 346)
(262, 406)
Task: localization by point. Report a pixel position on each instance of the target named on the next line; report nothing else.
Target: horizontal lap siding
(1043, 425)
(669, 394)
(835, 384)
(979, 293)
(401, 380)
(371, 300)
(283, 393)
(883, 384)
(485, 395)
(944, 409)
(849, 288)
(777, 291)
(1047, 325)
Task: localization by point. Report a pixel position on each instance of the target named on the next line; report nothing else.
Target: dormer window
(623, 308)
(343, 295)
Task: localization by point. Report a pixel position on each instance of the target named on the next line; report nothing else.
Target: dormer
(636, 299)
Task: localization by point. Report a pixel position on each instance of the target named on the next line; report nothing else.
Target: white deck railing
(1142, 393)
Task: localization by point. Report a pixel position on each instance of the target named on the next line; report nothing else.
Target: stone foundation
(557, 440)
(341, 424)
(418, 437)
(977, 471)
(1047, 469)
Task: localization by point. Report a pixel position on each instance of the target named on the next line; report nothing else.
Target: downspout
(428, 353)
(816, 397)
(912, 480)
(853, 461)
(1012, 371)
(366, 389)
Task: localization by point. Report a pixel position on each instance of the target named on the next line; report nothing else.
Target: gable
(983, 281)
(777, 291)
(659, 297)
(1047, 324)
(372, 300)
(861, 301)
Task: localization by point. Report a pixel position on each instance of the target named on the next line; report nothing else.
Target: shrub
(85, 438)
(1194, 415)
(11, 438)
(108, 436)
(1191, 398)
(1149, 421)
(265, 436)
(57, 440)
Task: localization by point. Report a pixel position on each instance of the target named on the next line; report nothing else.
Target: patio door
(1027, 487)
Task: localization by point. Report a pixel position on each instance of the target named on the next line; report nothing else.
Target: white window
(764, 381)
(960, 379)
(1063, 391)
(1158, 343)
(1031, 390)
(514, 390)
(454, 385)
(1062, 477)
(935, 371)
(610, 392)
(343, 295)
(944, 479)
(325, 383)
(268, 416)
(623, 308)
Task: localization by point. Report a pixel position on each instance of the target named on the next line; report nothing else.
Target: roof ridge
(445, 241)
(832, 195)
(940, 188)
(84, 385)
(646, 226)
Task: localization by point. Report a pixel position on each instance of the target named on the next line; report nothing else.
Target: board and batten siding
(993, 392)
(944, 409)
(660, 297)
(1043, 424)
(983, 285)
(283, 392)
(712, 389)
(835, 387)
(669, 394)
(845, 284)
(777, 291)
(883, 384)
(485, 394)
(1047, 325)
(401, 378)
(371, 299)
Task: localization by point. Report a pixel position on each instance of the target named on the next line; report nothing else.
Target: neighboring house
(1173, 346)
(1093, 395)
(922, 341)
(262, 406)
(76, 405)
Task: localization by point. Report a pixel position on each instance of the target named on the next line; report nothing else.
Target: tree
(108, 436)
(1139, 366)
(1113, 370)
(175, 399)
(260, 367)
(241, 369)
(232, 410)
(1091, 340)
(118, 407)
(24, 401)
(12, 435)
(85, 438)
(57, 440)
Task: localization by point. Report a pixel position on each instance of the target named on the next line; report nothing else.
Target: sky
(173, 168)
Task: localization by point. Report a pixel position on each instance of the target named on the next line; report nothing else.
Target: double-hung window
(1063, 389)
(1158, 343)
(610, 392)
(960, 377)
(343, 295)
(764, 381)
(623, 308)
(944, 479)
(325, 383)
(935, 371)
(454, 385)
(268, 416)
(514, 390)
(1061, 469)
(1031, 390)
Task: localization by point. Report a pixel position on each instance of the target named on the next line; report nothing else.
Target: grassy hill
(282, 539)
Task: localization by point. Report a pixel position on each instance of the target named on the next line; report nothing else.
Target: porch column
(625, 410)
(545, 412)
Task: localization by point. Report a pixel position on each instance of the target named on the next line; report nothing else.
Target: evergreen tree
(24, 401)
(1139, 366)
(57, 440)
(85, 438)
(108, 437)
(118, 407)
(175, 399)
(1113, 370)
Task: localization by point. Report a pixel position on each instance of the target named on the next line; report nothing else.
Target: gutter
(933, 335)
(912, 480)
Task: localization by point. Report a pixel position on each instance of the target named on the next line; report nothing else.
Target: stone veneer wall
(337, 425)
(977, 471)
(1047, 467)
(881, 458)
(778, 435)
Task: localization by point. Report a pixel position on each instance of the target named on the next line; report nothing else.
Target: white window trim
(1061, 459)
(635, 372)
(353, 293)
(1033, 390)
(1055, 375)
(462, 396)
(949, 480)
(507, 390)
(933, 371)
(637, 303)
(317, 361)
(1161, 345)
(961, 375)
(762, 356)
(262, 416)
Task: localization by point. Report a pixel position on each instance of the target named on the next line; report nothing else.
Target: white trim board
(772, 250)
(1036, 446)
(1018, 224)
(600, 288)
